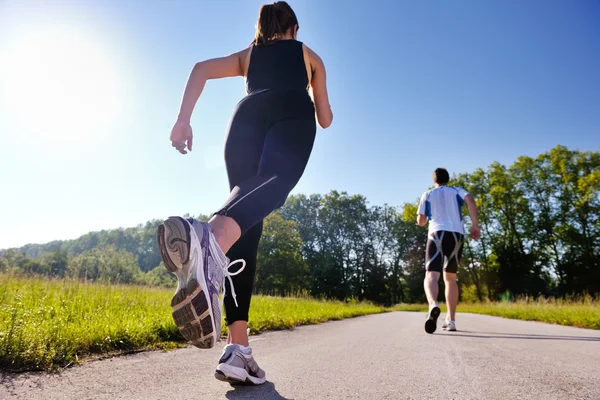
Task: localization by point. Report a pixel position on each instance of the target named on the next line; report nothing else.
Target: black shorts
(444, 249)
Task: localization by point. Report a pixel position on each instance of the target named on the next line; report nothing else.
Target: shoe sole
(192, 311)
(431, 323)
(234, 377)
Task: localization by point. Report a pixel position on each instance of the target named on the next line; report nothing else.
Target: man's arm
(421, 210)
(475, 232)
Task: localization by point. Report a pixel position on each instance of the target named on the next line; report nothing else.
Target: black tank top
(277, 66)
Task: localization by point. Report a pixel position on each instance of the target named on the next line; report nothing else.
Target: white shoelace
(228, 275)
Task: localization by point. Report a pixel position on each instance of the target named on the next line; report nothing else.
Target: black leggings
(265, 159)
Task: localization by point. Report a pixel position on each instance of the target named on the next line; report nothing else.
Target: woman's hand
(182, 136)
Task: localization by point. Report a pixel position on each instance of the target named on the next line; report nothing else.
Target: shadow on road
(525, 336)
(266, 391)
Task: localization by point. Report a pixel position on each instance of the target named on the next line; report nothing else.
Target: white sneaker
(449, 326)
(189, 250)
(237, 366)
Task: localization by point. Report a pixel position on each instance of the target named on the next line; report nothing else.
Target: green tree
(105, 264)
(280, 269)
(159, 276)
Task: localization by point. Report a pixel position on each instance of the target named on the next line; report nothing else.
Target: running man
(442, 207)
(269, 141)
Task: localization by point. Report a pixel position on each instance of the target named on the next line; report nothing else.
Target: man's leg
(433, 268)
(452, 248)
(434, 262)
(451, 293)
(431, 286)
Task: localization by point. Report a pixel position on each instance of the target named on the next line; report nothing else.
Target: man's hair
(441, 176)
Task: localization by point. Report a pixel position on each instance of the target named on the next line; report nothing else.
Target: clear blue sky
(90, 89)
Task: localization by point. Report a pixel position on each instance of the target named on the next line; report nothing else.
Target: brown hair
(441, 176)
(274, 20)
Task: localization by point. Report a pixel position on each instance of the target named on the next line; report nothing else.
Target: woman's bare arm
(319, 90)
(214, 68)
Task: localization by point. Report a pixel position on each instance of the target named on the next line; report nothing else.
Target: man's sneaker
(449, 326)
(189, 250)
(432, 316)
(445, 325)
(237, 366)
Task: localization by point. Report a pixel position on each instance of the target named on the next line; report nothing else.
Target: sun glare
(59, 85)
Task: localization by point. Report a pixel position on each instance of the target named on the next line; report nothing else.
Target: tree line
(538, 218)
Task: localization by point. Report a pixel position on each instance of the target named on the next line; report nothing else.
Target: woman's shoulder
(315, 59)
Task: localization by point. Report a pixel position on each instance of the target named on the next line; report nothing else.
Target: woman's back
(280, 65)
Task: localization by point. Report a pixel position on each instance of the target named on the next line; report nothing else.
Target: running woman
(269, 141)
(442, 207)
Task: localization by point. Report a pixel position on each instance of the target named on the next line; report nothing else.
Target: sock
(245, 349)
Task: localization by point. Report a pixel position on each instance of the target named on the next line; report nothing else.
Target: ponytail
(274, 20)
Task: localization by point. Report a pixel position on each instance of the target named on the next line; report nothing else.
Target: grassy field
(581, 313)
(48, 323)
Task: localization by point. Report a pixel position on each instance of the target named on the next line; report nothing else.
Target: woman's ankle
(238, 333)
(225, 230)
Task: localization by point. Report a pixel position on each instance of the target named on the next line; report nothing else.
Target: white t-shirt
(442, 207)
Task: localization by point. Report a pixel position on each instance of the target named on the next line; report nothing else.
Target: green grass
(48, 323)
(581, 313)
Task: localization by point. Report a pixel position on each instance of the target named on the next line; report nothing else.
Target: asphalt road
(386, 356)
